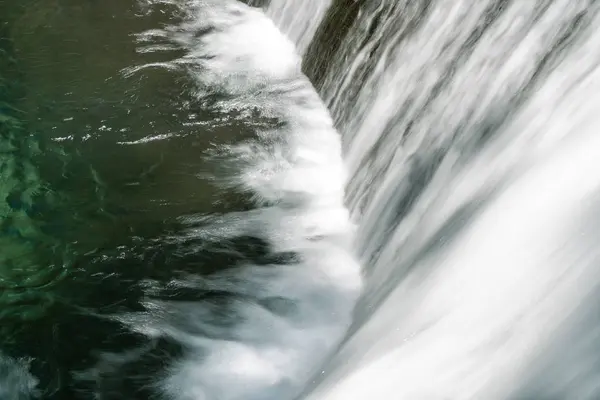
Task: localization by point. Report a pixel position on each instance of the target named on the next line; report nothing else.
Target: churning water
(181, 220)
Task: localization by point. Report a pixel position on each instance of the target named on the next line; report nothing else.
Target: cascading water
(297, 19)
(469, 131)
(469, 134)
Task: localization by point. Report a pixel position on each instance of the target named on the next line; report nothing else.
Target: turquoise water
(87, 189)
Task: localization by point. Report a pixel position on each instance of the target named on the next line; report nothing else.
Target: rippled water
(82, 191)
(173, 217)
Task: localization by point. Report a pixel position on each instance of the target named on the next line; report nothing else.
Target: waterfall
(430, 85)
(469, 130)
(391, 199)
(297, 19)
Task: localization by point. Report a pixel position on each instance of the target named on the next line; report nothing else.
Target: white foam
(16, 383)
(290, 316)
(298, 19)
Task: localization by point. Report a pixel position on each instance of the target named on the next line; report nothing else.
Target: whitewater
(477, 124)
(428, 194)
(286, 318)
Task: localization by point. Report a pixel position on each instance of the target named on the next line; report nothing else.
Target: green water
(83, 193)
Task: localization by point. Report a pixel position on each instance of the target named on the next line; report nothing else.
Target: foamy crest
(283, 317)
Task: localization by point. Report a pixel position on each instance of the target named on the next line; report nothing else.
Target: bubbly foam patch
(273, 323)
(16, 383)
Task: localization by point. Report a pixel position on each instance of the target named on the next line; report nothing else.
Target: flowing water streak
(297, 19)
(286, 317)
(476, 122)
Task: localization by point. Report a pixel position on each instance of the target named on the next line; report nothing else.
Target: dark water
(87, 195)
